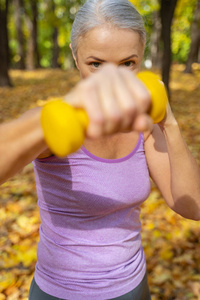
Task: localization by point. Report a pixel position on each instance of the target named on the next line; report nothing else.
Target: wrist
(169, 121)
(169, 125)
(171, 132)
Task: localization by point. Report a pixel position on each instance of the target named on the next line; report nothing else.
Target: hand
(114, 99)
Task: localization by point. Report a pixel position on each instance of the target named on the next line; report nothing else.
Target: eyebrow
(127, 58)
(102, 60)
(96, 58)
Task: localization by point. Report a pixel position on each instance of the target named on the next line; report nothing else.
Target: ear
(74, 57)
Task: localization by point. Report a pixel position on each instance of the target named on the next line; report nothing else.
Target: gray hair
(119, 13)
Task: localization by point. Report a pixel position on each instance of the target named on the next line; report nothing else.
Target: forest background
(36, 34)
(36, 64)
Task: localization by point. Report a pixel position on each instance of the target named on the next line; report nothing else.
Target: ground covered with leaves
(171, 243)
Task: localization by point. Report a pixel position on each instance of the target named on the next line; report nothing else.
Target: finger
(125, 100)
(143, 123)
(109, 103)
(85, 96)
(137, 89)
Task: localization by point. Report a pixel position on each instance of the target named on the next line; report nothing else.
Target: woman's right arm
(21, 141)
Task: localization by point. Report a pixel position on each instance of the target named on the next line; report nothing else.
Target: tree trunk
(18, 9)
(155, 40)
(198, 57)
(55, 63)
(167, 13)
(33, 59)
(195, 40)
(55, 57)
(30, 64)
(35, 32)
(4, 53)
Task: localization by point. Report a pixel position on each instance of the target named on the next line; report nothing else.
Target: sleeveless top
(90, 242)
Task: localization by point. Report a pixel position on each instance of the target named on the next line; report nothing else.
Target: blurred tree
(19, 6)
(56, 49)
(32, 58)
(167, 12)
(52, 20)
(155, 40)
(195, 39)
(4, 50)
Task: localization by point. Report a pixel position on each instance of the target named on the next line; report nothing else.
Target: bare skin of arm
(174, 169)
(21, 141)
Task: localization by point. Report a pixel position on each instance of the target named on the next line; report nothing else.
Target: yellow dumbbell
(158, 95)
(64, 126)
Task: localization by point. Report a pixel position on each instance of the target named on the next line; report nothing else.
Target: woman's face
(105, 44)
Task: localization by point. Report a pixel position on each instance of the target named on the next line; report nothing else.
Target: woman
(90, 244)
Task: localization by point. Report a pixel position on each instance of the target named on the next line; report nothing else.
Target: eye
(96, 65)
(129, 64)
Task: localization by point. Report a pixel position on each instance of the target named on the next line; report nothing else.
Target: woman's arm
(21, 141)
(174, 170)
(114, 99)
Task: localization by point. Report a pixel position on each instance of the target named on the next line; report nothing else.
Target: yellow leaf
(2, 296)
(156, 233)
(6, 280)
(166, 253)
(150, 226)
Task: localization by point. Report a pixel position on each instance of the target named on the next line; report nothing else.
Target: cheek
(137, 69)
(84, 71)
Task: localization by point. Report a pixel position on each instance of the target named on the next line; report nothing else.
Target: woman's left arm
(173, 168)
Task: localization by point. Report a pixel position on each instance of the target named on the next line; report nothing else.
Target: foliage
(62, 18)
(171, 243)
(181, 29)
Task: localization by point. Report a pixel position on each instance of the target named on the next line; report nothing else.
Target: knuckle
(129, 110)
(109, 68)
(146, 100)
(98, 120)
(115, 118)
(126, 73)
(85, 86)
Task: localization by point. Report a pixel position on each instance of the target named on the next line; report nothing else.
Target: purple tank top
(90, 242)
